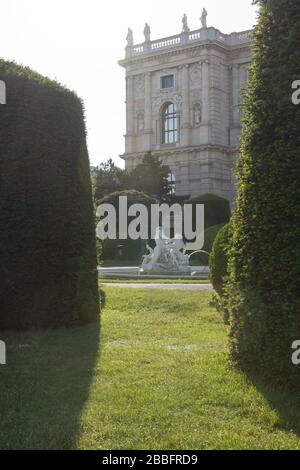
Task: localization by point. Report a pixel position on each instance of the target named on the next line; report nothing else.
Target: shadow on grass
(285, 402)
(45, 385)
(102, 295)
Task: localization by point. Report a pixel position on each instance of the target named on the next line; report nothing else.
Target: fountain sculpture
(168, 256)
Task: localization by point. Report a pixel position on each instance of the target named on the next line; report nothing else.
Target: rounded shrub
(47, 238)
(209, 238)
(217, 209)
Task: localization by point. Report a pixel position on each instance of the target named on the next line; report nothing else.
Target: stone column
(205, 92)
(235, 114)
(235, 93)
(185, 118)
(205, 128)
(148, 112)
(129, 114)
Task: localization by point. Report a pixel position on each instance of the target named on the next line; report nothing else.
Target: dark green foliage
(109, 179)
(264, 294)
(209, 238)
(133, 197)
(47, 238)
(151, 177)
(217, 209)
(218, 259)
(132, 249)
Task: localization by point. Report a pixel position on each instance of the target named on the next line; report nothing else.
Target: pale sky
(78, 43)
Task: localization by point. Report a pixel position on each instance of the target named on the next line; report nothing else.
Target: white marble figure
(129, 38)
(147, 33)
(169, 255)
(197, 115)
(141, 122)
(185, 27)
(204, 18)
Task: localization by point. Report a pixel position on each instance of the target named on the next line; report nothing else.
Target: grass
(160, 380)
(154, 281)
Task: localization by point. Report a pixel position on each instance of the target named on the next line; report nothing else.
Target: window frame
(166, 77)
(169, 124)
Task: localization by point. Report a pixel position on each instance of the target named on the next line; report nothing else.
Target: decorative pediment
(158, 101)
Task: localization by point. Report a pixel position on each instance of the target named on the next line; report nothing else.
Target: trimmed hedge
(264, 294)
(47, 238)
(218, 259)
(133, 249)
(217, 209)
(133, 197)
(209, 238)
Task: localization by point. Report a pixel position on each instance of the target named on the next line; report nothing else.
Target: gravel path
(190, 287)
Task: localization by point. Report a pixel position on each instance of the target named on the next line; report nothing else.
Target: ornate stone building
(182, 97)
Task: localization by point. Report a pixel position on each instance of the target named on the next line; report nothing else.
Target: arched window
(169, 124)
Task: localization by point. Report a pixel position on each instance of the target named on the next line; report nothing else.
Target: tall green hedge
(47, 234)
(264, 294)
(218, 259)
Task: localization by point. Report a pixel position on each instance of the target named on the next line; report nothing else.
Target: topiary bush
(133, 249)
(47, 238)
(218, 259)
(263, 292)
(209, 238)
(217, 209)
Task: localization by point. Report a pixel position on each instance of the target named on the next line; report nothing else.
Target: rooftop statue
(185, 27)
(147, 33)
(129, 38)
(204, 18)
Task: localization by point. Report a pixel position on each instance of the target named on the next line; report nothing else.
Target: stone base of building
(197, 171)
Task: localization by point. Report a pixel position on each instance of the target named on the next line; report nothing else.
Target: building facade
(182, 104)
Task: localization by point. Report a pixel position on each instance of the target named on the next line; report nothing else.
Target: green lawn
(154, 281)
(158, 379)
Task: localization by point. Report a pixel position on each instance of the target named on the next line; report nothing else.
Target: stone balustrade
(189, 38)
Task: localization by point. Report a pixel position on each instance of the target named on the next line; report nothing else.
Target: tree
(151, 177)
(108, 179)
(263, 293)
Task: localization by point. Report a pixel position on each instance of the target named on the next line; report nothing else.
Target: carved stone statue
(169, 255)
(197, 114)
(147, 33)
(185, 27)
(141, 122)
(129, 38)
(204, 18)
